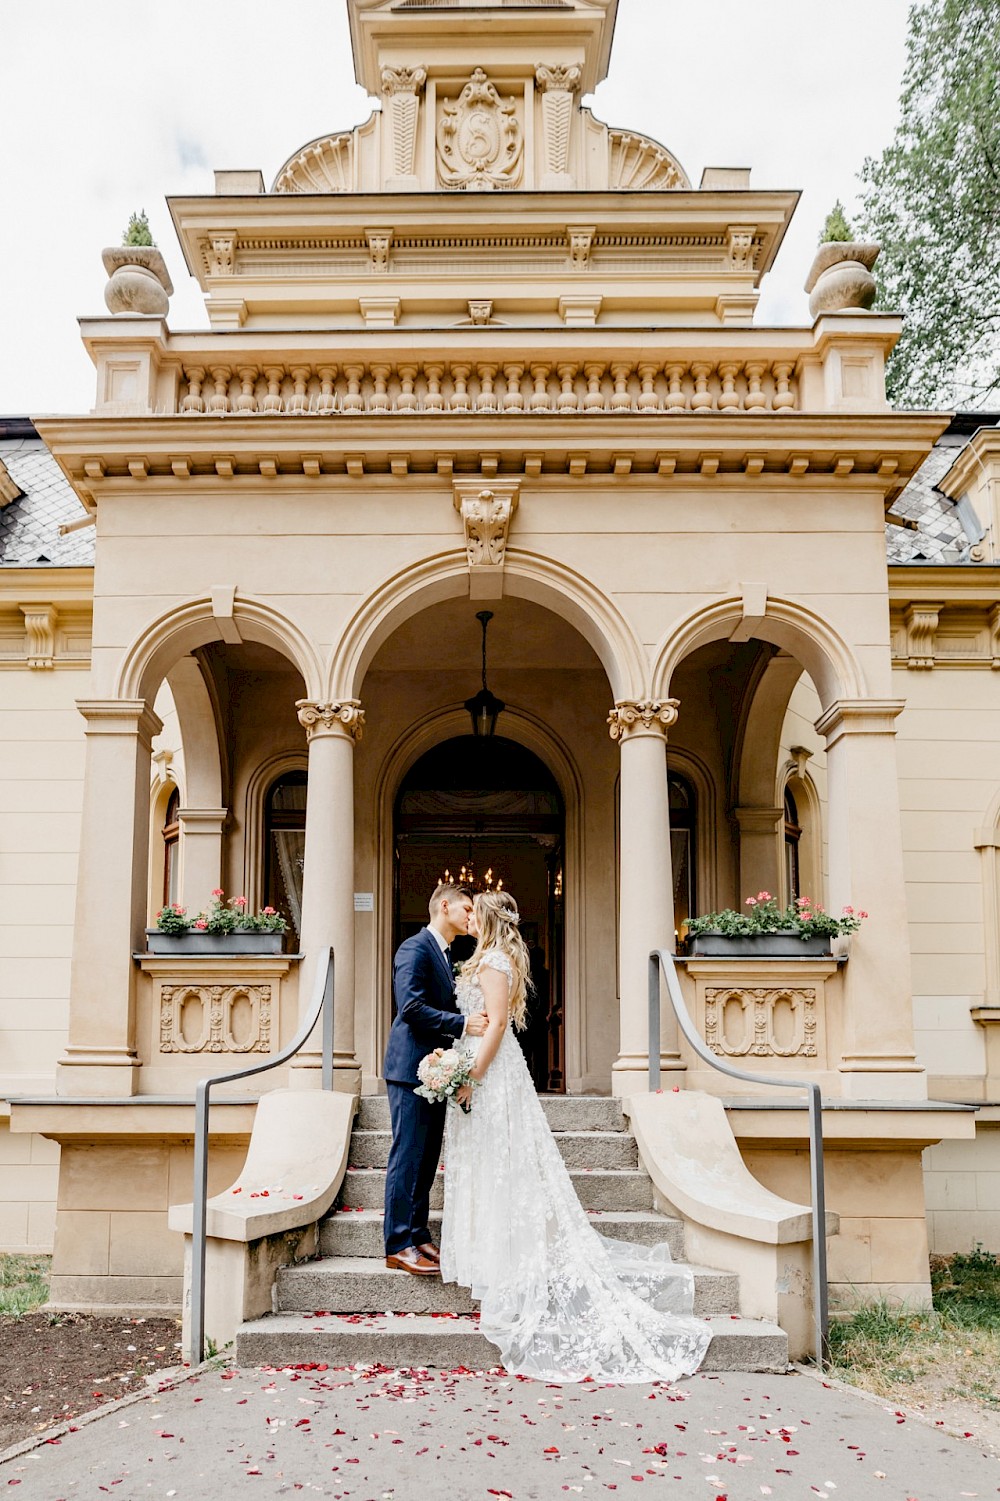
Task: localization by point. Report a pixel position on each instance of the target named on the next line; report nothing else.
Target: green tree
(932, 199)
(835, 226)
(138, 232)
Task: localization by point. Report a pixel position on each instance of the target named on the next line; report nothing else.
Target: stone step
(361, 1284)
(563, 1113)
(597, 1188)
(415, 1340)
(354, 1233)
(593, 1149)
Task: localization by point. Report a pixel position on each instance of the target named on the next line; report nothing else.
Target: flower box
(213, 943)
(759, 946)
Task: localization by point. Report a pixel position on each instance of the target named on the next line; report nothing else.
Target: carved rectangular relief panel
(215, 1018)
(761, 1021)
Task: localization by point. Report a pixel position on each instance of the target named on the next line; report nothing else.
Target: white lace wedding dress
(560, 1301)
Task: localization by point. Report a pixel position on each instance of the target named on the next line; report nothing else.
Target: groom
(426, 1018)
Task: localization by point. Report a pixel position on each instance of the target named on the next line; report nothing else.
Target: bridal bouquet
(442, 1074)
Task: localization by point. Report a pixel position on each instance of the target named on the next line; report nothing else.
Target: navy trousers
(417, 1131)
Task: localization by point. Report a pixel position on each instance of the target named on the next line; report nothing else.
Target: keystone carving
(480, 144)
(345, 716)
(630, 716)
(486, 516)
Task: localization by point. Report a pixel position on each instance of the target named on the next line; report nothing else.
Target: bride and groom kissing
(560, 1301)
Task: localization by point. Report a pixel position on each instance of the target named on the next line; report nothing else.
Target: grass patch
(943, 1353)
(24, 1283)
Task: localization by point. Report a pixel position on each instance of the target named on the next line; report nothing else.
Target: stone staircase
(346, 1308)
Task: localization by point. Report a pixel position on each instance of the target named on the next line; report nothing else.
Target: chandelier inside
(469, 877)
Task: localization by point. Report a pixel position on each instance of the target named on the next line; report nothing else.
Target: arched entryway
(490, 813)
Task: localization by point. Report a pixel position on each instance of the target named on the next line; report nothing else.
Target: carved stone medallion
(480, 144)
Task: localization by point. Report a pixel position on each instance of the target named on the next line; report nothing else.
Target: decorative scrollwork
(480, 144)
(647, 714)
(347, 716)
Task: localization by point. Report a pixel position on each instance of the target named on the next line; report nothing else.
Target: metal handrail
(660, 961)
(322, 1005)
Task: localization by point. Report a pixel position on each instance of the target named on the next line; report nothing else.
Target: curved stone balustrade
(494, 386)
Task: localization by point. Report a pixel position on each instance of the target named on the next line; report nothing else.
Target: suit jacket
(427, 1016)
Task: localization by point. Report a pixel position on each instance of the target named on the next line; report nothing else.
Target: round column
(332, 731)
(646, 896)
(110, 921)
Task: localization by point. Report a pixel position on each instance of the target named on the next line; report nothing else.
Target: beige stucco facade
(484, 352)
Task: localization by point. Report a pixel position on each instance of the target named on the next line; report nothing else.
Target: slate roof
(940, 536)
(29, 526)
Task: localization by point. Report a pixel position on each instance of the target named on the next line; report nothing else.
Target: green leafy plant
(138, 231)
(221, 916)
(835, 227)
(803, 918)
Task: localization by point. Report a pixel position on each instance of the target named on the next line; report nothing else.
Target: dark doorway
(489, 812)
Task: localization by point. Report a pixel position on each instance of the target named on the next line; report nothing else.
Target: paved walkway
(380, 1436)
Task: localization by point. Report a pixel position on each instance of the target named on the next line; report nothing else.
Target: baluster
(702, 400)
(513, 400)
(272, 401)
(298, 401)
(460, 395)
(406, 401)
(353, 400)
(326, 402)
(433, 400)
(219, 400)
(676, 399)
(729, 399)
(193, 401)
(755, 401)
(539, 399)
(380, 396)
(621, 401)
(648, 400)
(783, 396)
(566, 401)
(246, 401)
(594, 399)
(486, 401)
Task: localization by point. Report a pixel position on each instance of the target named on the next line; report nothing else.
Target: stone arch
(259, 783)
(826, 656)
(526, 576)
(179, 630)
(707, 799)
(537, 736)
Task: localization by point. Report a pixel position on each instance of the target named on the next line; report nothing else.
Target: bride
(561, 1302)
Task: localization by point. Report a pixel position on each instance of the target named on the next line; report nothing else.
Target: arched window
(793, 837)
(171, 850)
(284, 846)
(683, 812)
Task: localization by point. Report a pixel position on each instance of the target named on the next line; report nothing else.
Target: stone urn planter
(760, 946)
(221, 945)
(138, 280)
(840, 277)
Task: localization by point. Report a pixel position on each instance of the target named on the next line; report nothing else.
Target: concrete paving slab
(362, 1434)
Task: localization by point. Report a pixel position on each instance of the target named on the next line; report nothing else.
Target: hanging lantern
(485, 708)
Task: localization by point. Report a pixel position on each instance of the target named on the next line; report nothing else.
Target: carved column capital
(560, 79)
(403, 80)
(646, 716)
(343, 717)
(486, 512)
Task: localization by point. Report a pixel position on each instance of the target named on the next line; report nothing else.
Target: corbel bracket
(486, 509)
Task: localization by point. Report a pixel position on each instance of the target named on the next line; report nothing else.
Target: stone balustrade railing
(490, 387)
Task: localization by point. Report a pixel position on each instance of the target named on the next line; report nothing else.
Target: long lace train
(560, 1301)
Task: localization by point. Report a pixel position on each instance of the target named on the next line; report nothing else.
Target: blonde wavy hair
(498, 917)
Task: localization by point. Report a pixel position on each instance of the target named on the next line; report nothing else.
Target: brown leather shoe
(430, 1252)
(410, 1260)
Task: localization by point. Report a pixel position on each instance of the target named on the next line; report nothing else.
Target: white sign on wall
(364, 901)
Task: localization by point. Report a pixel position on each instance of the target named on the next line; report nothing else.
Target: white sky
(104, 110)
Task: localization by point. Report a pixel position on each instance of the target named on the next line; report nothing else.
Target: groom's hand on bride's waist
(476, 1024)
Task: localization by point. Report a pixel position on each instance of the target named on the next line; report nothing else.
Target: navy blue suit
(426, 1018)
